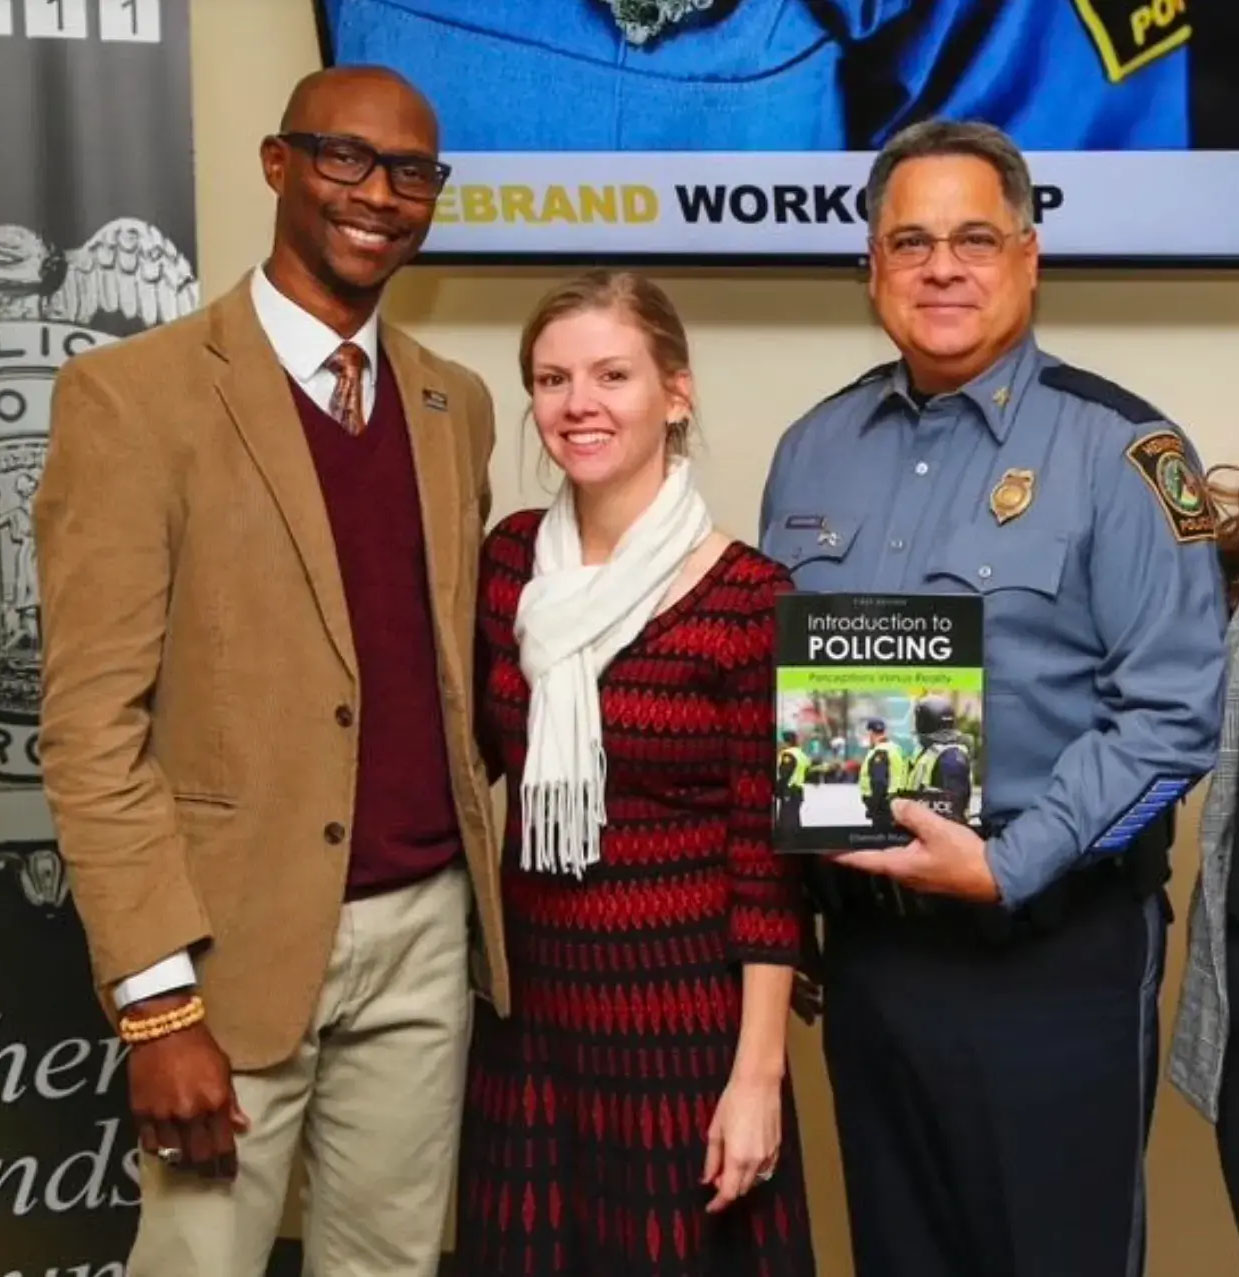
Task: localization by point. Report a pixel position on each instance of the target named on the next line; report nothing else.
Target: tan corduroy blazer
(197, 649)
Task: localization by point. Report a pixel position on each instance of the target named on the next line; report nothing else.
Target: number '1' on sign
(56, 19)
(6, 17)
(132, 20)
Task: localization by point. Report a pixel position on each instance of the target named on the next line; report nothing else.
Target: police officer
(991, 997)
(793, 769)
(942, 768)
(882, 774)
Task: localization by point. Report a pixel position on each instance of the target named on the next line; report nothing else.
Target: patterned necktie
(347, 363)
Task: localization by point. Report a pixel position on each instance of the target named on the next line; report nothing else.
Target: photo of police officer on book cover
(877, 697)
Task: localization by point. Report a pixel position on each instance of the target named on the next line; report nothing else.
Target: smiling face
(601, 403)
(335, 239)
(951, 319)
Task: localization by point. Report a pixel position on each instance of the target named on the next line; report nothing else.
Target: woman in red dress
(633, 1117)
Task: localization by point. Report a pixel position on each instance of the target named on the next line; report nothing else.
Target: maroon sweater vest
(404, 818)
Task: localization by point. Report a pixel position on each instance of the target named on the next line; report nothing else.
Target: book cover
(877, 697)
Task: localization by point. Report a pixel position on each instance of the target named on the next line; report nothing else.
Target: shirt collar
(302, 342)
(996, 393)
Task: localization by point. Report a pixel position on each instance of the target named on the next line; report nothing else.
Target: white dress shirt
(302, 344)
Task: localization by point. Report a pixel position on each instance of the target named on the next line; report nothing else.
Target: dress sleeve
(768, 906)
(500, 572)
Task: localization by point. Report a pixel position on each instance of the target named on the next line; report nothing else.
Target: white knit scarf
(571, 622)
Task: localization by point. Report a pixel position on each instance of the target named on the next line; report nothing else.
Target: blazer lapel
(255, 391)
(431, 415)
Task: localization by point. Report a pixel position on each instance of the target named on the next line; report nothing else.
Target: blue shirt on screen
(769, 75)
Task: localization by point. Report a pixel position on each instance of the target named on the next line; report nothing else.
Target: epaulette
(875, 373)
(1088, 385)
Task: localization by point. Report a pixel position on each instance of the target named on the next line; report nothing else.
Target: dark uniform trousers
(993, 1093)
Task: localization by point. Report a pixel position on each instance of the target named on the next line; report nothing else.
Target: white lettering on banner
(80, 1181)
(1104, 204)
(101, 1176)
(114, 1269)
(18, 1073)
(6, 17)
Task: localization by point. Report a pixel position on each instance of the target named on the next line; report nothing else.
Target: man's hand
(181, 1094)
(945, 857)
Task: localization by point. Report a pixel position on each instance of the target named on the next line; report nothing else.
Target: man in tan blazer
(257, 534)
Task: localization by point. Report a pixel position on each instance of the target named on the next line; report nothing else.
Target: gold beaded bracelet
(148, 1028)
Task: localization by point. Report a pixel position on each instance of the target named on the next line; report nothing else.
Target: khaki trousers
(371, 1098)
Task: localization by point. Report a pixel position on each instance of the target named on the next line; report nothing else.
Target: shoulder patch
(1164, 466)
(1129, 36)
(876, 373)
(1088, 385)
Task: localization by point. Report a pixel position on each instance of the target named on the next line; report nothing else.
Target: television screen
(744, 129)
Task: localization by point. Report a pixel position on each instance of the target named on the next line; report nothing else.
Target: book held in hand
(877, 697)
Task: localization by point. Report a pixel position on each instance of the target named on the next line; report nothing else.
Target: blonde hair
(637, 298)
(1224, 498)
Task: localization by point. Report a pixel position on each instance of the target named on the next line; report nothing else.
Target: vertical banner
(96, 243)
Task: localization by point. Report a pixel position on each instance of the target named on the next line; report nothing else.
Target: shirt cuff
(173, 972)
(1009, 895)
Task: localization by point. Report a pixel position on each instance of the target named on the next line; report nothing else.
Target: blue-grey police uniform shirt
(1103, 603)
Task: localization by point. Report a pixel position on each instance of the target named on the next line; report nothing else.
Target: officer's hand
(945, 857)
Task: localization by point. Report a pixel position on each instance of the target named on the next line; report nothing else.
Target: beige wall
(766, 345)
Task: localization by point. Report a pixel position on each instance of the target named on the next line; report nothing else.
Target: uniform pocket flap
(985, 558)
(799, 537)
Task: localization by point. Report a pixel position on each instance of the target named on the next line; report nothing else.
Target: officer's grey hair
(952, 137)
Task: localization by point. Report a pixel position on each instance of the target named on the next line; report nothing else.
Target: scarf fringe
(562, 821)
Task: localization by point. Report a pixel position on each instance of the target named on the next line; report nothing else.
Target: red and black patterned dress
(586, 1112)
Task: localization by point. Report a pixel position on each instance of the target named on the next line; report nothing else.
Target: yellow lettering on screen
(1155, 28)
(472, 204)
(447, 210)
(479, 204)
(1156, 14)
(598, 204)
(558, 207)
(640, 204)
(517, 204)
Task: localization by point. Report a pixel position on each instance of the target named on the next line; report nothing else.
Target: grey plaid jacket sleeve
(1202, 1025)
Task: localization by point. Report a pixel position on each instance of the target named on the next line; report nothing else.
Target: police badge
(53, 305)
(643, 20)
(1012, 495)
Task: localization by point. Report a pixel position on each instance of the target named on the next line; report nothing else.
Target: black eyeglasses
(974, 245)
(349, 161)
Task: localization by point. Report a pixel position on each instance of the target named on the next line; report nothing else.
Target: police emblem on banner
(55, 303)
(1130, 34)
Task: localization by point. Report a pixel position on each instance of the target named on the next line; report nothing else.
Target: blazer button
(334, 833)
(344, 716)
